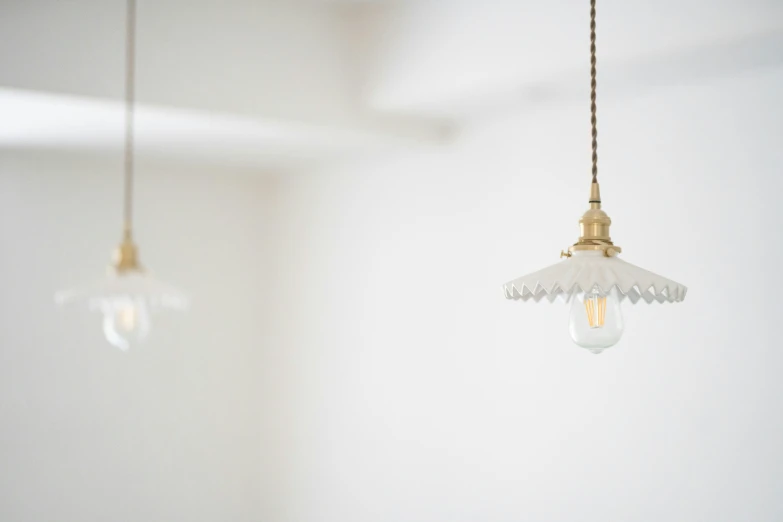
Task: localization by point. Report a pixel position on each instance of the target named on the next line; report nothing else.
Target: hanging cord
(130, 70)
(593, 119)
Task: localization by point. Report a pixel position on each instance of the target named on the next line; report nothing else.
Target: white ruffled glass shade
(586, 270)
(127, 300)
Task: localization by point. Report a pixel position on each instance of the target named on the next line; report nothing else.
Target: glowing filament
(127, 318)
(595, 306)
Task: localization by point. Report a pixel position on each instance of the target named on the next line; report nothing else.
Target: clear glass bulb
(596, 322)
(126, 321)
(126, 300)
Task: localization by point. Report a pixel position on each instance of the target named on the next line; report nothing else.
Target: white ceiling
(57, 122)
(472, 55)
(274, 83)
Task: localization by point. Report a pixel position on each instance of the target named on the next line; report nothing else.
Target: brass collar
(126, 256)
(594, 228)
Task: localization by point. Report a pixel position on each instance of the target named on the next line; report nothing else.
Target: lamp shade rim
(585, 272)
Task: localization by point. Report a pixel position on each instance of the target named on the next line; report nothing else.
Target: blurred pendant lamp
(592, 278)
(128, 295)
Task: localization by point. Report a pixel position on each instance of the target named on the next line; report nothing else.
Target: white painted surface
(460, 53)
(423, 394)
(179, 429)
(262, 58)
(194, 137)
(349, 355)
(399, 73)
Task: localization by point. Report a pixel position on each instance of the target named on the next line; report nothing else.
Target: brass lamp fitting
(594, 227)
(126, 255)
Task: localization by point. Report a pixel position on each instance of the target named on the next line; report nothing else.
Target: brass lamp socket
(126, 256)
(594, 227)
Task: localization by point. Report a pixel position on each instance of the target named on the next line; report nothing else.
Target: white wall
(349, 355)
(182, 428)
(422, 394)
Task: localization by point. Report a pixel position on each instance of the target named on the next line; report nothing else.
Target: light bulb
(596, 322)
(126, 321)
(126, 300)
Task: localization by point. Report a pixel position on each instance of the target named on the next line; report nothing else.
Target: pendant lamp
(128, 295)
(592, 278)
